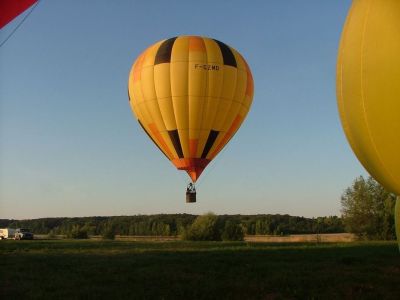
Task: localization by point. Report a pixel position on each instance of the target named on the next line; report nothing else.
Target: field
(301, 238)
(95, 269)
(293, 238)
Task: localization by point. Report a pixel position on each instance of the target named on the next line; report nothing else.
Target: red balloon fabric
(9, 9)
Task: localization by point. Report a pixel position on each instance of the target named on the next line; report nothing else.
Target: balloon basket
(190, 197)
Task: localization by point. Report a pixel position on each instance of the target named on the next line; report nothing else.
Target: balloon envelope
(368, 87)
(190, 94)
(10, 9)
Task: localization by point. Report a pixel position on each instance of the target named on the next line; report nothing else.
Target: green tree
(389, 229)
(233, 231)
(368, 209)
(204, 228)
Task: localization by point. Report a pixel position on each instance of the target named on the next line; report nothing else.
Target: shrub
(204, 228)
(233, 231)
(51, 234)
(78, 233)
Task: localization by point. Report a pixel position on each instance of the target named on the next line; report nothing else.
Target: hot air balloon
(368, 89)
(190, 94)
(10, 9)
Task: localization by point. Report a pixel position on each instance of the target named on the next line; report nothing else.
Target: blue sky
(69, 145)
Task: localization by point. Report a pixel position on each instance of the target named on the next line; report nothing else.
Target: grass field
(67, 269)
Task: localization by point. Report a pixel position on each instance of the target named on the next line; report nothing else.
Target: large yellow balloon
(368, 88)
(190, 94)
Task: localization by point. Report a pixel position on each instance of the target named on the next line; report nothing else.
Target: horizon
(136, 215)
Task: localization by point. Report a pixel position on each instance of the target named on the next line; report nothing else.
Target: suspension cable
(20, 23)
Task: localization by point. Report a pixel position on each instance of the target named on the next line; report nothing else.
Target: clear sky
(69, 145)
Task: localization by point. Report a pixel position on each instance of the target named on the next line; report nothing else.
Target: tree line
(177, 224)
(367, 211)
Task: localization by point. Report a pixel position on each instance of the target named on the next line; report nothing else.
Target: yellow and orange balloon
(368, 89)
(190, 94)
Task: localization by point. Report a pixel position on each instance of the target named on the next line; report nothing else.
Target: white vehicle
(7, 233)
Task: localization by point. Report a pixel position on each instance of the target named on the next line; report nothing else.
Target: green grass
(66, 269)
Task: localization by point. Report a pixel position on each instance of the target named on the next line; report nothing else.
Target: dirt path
(326, 237)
